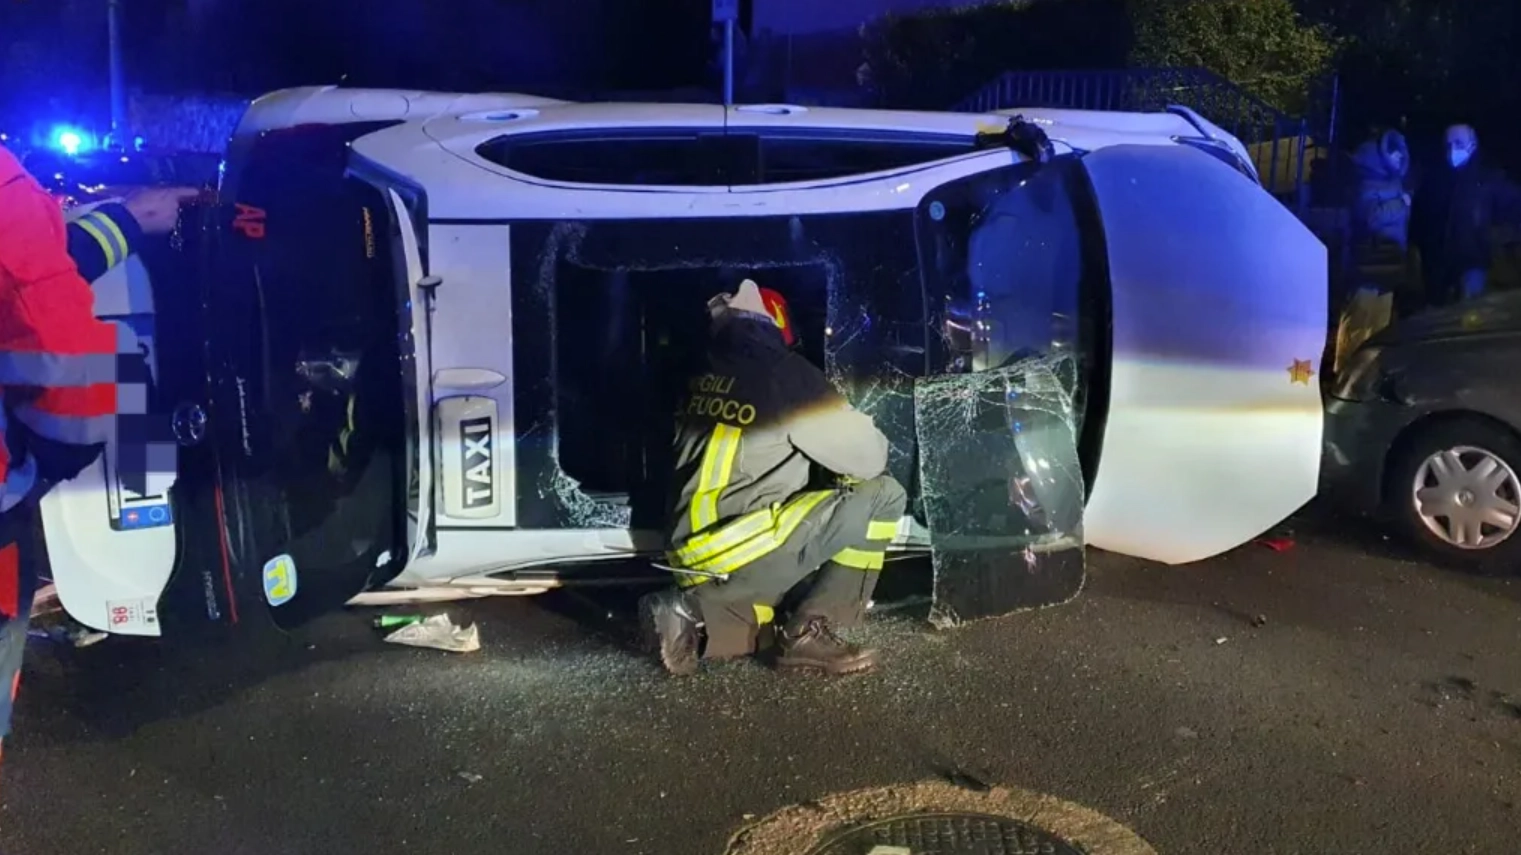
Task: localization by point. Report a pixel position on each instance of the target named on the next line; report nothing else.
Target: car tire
(1472, 440)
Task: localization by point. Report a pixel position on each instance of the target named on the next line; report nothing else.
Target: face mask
(1458, 156)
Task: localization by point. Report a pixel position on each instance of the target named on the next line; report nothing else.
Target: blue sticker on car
(279, 580)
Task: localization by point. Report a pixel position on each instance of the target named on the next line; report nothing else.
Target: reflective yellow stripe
(105, 243)
(859, 559)
(114, 231)
(764, 614)
(348, 429)
(711, 543)
(880, 530)
(788, 518)
(717, 465)
(784, 521)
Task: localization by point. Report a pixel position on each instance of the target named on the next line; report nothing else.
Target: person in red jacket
(60, 371)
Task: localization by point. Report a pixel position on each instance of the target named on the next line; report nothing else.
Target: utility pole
(726, 12)
(118, 83)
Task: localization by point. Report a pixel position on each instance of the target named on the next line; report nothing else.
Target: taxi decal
(279, 580)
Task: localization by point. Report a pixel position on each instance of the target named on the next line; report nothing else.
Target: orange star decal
(1301, 372)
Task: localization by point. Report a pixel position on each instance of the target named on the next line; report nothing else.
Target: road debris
(470, 777)
(966, 782)
(1277, 544)
(1259, 621)
(66, 632)
(395, 621)
(439, 633)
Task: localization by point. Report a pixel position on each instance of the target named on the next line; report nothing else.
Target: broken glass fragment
(1002, 488)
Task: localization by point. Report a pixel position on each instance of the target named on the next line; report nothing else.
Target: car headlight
(1358, 380)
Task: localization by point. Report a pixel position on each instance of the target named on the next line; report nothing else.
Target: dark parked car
(1423, 428)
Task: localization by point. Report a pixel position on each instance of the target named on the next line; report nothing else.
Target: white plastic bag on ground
(439, 633)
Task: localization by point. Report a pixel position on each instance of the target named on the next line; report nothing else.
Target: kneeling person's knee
(888, 498)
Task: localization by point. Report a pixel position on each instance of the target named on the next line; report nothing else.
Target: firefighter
(59, 372)
(748, 527)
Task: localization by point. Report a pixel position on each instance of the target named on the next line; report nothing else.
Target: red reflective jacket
(57, 362)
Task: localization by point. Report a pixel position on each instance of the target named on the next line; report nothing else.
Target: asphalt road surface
(1334, 698)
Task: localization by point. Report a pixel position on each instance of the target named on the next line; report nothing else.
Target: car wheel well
(1424, 425)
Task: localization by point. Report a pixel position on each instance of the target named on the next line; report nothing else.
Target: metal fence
(1282, 146)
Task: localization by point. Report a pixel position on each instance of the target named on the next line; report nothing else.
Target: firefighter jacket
(102, 238)
(58, 364)
(748, 431)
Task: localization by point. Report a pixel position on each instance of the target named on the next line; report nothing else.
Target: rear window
(679, 159)
(785, 159)
(711, 158)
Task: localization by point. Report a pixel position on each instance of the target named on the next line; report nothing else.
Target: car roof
(435, 140)
(447, 113)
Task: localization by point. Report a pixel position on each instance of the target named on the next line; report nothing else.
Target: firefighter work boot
(671, 626)
(814, 646)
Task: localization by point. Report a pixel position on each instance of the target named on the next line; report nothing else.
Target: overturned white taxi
(429, 345)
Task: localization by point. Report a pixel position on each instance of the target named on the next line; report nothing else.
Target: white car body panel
(421, 334)
(1218, 290)
(468, 361)
(331, 105)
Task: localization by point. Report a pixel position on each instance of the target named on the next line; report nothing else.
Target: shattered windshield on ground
(955, 326)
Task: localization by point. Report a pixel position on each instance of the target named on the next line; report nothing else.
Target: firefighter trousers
(844, 538)
(23, 556)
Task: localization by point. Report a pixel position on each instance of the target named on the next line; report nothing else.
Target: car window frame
(732, 157)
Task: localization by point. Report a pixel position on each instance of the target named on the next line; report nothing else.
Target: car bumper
(1358, 438)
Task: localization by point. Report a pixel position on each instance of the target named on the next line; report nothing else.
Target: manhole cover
(944, 834)
(936, 818)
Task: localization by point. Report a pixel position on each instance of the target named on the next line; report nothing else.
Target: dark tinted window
(709, 158)
(786, 159)
(680, 159)
(1010, 246)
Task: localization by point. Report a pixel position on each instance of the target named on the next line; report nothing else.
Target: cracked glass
(1001, 487)
(999, 431)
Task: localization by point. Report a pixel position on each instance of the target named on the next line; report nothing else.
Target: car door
(411, 266)
(1013, 282)
(1218, 306)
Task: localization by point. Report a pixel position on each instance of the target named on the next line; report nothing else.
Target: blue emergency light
(68, 140)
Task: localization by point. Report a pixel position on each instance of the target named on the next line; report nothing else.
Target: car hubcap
(1468, 497)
